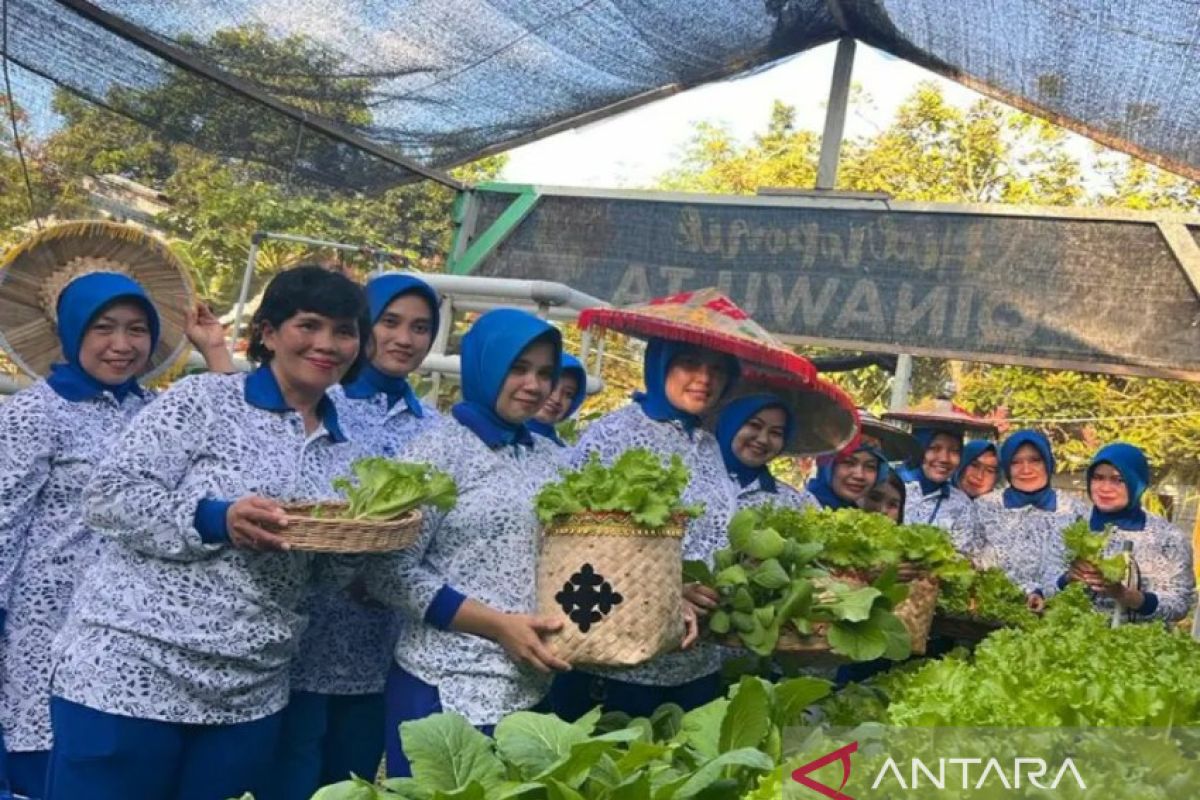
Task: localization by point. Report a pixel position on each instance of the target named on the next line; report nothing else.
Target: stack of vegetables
(813, 579)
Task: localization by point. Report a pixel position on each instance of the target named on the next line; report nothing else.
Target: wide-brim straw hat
(944, 415)
(826, 420)
(35, 272)
(826, 417)
(894, 442)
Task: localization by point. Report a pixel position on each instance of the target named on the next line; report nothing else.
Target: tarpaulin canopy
(368, 93)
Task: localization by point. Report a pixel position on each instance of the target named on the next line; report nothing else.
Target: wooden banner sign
(1096, 291)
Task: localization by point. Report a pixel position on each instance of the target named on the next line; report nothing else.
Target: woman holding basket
(110, 333)
(470, 641)
(334, 724)
(173, 664)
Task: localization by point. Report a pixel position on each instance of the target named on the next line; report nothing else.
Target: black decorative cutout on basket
(587, 598)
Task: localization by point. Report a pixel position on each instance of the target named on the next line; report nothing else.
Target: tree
(934, 151)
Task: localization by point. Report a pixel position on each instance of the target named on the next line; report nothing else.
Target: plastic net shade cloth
(443, 81)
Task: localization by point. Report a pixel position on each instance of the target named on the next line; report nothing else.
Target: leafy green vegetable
(637, 483)
(385, 489)
(989, 595)
(1083, 545)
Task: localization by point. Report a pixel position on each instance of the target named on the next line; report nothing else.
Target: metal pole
(901, 383)
(835, 113)
(247, 276)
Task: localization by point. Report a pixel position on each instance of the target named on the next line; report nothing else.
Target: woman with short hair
(172, 668)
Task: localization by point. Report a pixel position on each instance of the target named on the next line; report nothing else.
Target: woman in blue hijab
(1163, 586)
(334, 724)
(932, 498)
(1021, 527)
(684, 384)
(471, 642)
(752, 431)
(842, 480)
(564, 401)
(977, 472)
(52, 436)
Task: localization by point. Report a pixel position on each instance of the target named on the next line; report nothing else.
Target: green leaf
(770, 575)
(794, 695)
(695, 571)
(636, 787)
(533, 743)
(765, 543)
(748, 717)
(708, 774)
(472, 791)
(854, 605)
(701, 728)
(899, 641)
(447, 753)
(741, 528)
(719, 623)
(356, 789)
(731, 576)
(640, 754)
(859, 641)
(557, 790)
(667, 721)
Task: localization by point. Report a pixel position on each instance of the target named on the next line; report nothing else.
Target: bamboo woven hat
(35, 272)
(944, 415)
(826, 417)
(894, 442)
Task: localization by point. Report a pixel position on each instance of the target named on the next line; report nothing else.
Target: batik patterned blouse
(1027, 542)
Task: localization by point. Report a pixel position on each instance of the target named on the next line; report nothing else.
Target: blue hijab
(821, 486)
(731, 420)
(78, 305)
(1044, 498)
(657, 362)
(574, 367)
(1131, 462)
(970, 454)
(489, 349)
(381, 291)
(915, 470)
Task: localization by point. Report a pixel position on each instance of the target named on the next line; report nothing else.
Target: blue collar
(1045, 499)
(546, 431)
(657, 408)
(371, 381)
(1131, 518)
(491, 429)
(262, 391)
(766, 481)
(928, 487)
(74, 385)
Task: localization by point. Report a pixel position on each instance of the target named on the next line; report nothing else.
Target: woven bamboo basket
(916, 612)
(619, 585)
(328, 534)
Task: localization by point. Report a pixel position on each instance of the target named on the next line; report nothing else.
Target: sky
(631, 150)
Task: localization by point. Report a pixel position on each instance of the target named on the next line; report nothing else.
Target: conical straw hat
(709, 319)
(894, 442)
(942, 413)
(826, 417)
(35, 272)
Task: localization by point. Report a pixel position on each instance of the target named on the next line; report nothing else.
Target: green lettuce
(383, 489)
(638, 483)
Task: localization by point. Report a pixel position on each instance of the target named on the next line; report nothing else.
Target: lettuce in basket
(384, 489)
(637, 483)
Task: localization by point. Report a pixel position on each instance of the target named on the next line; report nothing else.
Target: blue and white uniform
(52, 436)
(940, 503)
(689, 678)
(756, 486)
(173, 665)
(334, 725)
(1162, 551)
(485, 548)
(1021, 532)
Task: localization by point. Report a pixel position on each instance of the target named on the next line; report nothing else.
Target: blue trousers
(407, 697)
(325, 738)
(104, 756)
(576, 693)
(26, 773)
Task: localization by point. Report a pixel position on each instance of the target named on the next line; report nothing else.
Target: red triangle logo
(842, 754)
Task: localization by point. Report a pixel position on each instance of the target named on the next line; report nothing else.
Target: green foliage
(386, 489)
(1083, 545)
(988, 595)
(637, 483)
(719, 750)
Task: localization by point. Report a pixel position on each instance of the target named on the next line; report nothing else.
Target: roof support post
(469, 251)
(835, 113)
